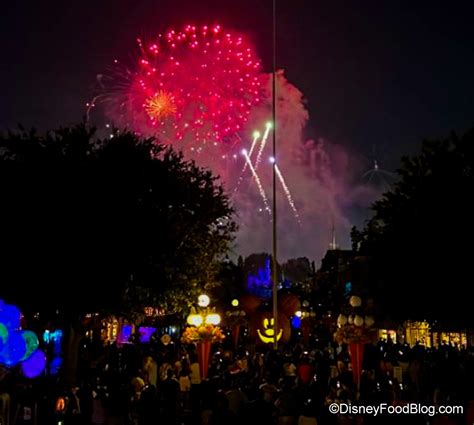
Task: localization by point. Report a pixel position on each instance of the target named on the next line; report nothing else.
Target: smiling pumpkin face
(267, 335)
(264, 330)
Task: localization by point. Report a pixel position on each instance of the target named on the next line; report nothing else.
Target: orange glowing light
(159, 106)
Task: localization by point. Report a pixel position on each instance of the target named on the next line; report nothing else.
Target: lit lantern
(235, 303)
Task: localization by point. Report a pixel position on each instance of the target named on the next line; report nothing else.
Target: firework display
(196, 85)
(253, 168)
(257, 181)
(287, 193)
(262, 145)
(200, 89)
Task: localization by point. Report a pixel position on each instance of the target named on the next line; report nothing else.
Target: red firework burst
(198, 84)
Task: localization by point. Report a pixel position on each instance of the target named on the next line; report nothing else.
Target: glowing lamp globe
(203, 300)
(298, 313)
(35, 365)
(355, 301)
(213, 319)
(369, 321)
(235, 303)
(358, 320)
(195, 320)
(341, 320)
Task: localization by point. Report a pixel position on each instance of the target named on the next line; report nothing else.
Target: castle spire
(333, 244)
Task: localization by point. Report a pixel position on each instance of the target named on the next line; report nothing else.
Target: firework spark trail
(257, 180)
(288, 194)
(262, 145)
(256, 136)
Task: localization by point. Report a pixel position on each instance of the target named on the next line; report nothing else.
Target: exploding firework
(197, 85)
(256, 136)
(257, 181)
(262, 145)
(253, 169)
(286, 189)
(160, 106)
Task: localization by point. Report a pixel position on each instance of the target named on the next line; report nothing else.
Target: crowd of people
(145, 384)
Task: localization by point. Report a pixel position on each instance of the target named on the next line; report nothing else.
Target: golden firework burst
(159, 106)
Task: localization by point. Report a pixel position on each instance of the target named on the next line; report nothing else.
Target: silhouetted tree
(421, 231)
(81, 215)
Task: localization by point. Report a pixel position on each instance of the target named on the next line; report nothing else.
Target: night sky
(374, 73)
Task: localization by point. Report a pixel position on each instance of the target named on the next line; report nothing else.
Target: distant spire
(333, 244)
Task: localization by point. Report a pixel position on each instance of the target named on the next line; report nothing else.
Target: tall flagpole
(274, 206)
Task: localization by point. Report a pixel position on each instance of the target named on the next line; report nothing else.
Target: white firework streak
(288, 194)
(259, 183)
(262, 146)
(254, 143)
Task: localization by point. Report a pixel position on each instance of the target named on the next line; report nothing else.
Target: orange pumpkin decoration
(249, 303)
(288, 304)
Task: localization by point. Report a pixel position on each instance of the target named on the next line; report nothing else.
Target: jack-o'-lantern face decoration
(267, 335)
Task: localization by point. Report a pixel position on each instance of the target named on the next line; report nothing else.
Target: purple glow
(261, 283)
(146, 333)
(35, 365)
(125, 334)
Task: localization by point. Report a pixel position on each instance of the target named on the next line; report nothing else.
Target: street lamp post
(274, 204)
(203, 330)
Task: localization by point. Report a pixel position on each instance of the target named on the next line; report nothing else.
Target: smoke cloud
(322, 177)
